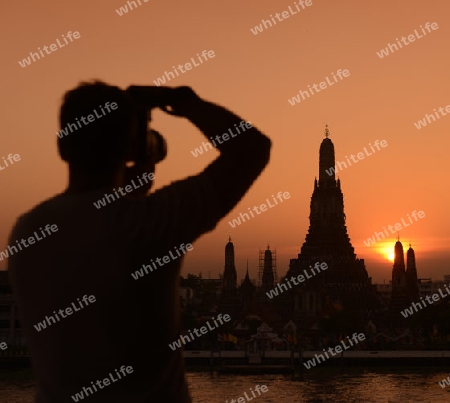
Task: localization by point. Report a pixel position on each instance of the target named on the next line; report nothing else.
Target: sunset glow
(389, 254)
(386, 251)
(359, 111)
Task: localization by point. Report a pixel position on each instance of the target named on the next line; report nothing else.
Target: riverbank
(204, 360)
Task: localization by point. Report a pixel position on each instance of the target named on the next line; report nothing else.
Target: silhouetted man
(95, 331)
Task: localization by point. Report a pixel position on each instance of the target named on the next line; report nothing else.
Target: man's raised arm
(242, 157)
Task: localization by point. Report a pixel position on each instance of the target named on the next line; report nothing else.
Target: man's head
(101, 138)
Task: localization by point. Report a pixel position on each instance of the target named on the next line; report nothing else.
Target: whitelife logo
(68, 311)
(10, 250)
(263, 388)
(26, 62)
(128, 189)
(385, 52)
(300, 278)
(10, 158)
(166, 259)
(205, 54)
(263, 207)
(177, 344)
(338, 349)
(64, 132)
(397, 227)
(224, 137)
(123, 10)
(423, 122)
(430, 299)
(105, 382)
(323, 85)
(445, 382)
(285, 15)
(360, 156)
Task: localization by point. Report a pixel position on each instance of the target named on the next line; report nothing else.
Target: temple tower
(247, 290)
(267, 268)
(398, 270)
(400, 298)
(346, 280)
(327, 230)
(411, 275)
(229, 280)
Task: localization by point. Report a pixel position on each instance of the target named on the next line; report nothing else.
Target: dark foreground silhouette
(95, 330)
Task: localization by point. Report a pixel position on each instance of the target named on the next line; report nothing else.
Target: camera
(150, 143)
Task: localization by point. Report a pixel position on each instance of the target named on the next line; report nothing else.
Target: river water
(331, 386)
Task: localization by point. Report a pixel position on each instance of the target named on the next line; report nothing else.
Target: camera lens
(158, 146)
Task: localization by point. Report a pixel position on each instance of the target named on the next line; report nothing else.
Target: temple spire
(411, 275)
(246, 276)
(268, 275)
(229, 274)
(327, 163)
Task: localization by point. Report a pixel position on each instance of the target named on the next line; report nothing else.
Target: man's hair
(100, 145)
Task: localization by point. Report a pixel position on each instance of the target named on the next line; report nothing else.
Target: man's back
(126, 322)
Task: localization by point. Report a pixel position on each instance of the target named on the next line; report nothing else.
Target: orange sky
(254, 75)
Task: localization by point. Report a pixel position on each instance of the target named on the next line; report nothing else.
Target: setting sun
(387, 251)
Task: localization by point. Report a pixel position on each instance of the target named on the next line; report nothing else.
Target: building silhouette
(411, 275)
(267, 274)
(405, 288)
(229, 281)
(345, 283)
(247, 290)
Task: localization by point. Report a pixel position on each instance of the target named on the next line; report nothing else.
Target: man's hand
(182, 101)
(178, 101)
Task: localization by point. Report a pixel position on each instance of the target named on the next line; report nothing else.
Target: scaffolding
(273, 265)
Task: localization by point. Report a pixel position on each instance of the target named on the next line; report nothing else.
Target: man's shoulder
(35, 214)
